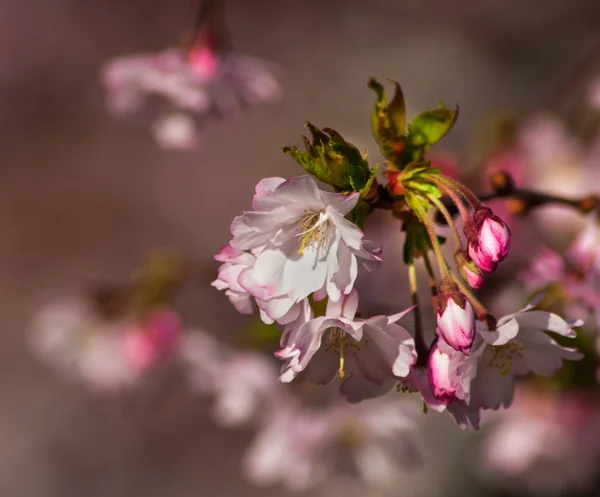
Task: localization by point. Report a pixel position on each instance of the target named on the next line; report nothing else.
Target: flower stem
(459, 187)
(419, 338)
(454, 196)
(431, 279)
(478, 307)
(448, 217)
(435, 244)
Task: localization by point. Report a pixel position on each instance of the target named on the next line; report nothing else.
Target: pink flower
(301, 447)
(177, 91)
(547, 444)
(302, 241)
(518, 345)
(455, 318)
(153, 340)
(74, 340)
(376, 350)
(235, 276)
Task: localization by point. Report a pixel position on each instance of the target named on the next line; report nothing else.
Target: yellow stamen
(341, 372)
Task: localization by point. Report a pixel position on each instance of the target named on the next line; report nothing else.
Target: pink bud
(204, 61)
(455, 319)
(441, 375)
(474, 278)
(481, 259)
(468, 269)
(493, 236)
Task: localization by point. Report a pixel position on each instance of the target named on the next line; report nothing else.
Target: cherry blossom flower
(236, 268)
(518, 346)
(244, 383)
(303, 242)
(300, 447)
(576, 273)
(178, 90)
(376, 349)
(106, 354)
(72, 339)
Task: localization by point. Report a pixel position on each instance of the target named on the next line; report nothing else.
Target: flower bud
(440, 375)
(468, 269)
(480, 259)
(493, 236)
(455, 318)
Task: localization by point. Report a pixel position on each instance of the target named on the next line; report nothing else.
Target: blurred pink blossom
(177, 91)
(547, 443)
(301, 447)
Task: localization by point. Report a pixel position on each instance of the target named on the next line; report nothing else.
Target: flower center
(314, 229)
(337, 341)
(502, 356)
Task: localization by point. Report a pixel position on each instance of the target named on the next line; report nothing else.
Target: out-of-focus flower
(303, 242)
(71, 338)
(152, 340)
(178, 90)
(106, 354)
(455, 318)
(300, 447)
(244, 384)
(546, 444)
(376, 349)
(576, 274)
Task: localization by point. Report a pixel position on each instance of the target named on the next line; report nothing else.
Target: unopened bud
(455, 318)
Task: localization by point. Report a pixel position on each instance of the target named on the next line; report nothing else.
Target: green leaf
(388, 122)
(431, 126)
(396, 109)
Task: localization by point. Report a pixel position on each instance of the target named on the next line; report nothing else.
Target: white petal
(341, 202)
(546, 321)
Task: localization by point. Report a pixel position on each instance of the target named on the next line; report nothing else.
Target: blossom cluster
(300, 245)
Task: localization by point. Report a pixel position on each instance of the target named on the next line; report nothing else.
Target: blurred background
(86, 197)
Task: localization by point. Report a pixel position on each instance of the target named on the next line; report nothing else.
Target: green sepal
(417, 203)
(333, 161)
(431, 126)
(424, 188)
